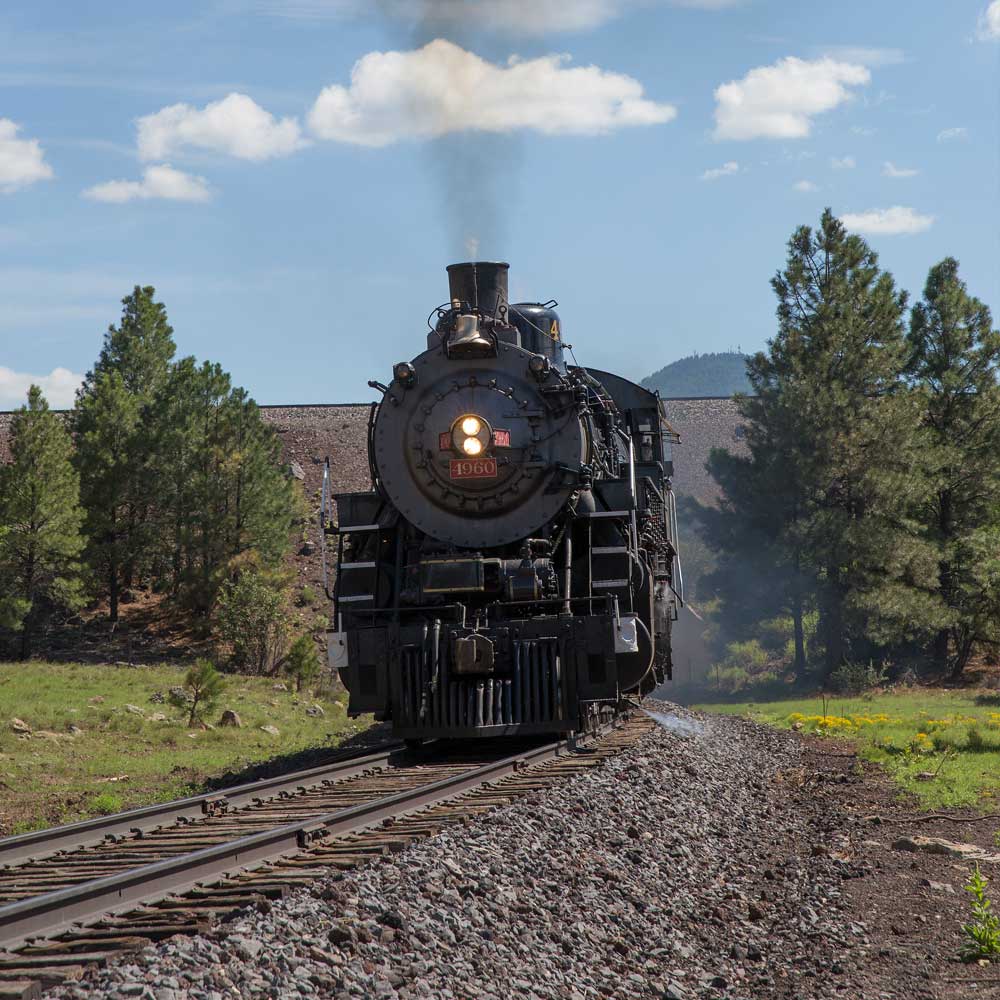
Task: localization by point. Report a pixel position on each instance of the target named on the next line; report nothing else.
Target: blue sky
(641, 161)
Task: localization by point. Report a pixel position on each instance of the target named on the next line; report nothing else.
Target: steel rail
(52, 912)
(45, 843)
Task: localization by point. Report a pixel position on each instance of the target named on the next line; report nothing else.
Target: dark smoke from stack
(475, 173)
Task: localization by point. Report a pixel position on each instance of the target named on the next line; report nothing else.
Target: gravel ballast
(679, 869)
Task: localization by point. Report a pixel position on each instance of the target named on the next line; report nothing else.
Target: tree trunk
(833, 631)
(800, 640)
(113, 591)
(941, 643)
(26, 629)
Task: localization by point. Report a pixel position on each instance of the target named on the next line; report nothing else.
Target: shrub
(856, 678)
(251, 620)
(307, 597)
(983, 931)
(202, 689)
(303, 662)
(106, 803)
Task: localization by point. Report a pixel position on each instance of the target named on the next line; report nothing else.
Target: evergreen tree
(837, 362)
(107, 422)
(115, 432)
(954, 354)
(824, 510)
(40, 518)
(226, 502)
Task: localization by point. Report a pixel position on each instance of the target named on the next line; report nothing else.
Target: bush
(303, 662)
(202, 689)
(251, 621)
(307, 597)
(856, 678)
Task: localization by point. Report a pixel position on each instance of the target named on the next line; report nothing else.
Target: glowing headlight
(470, 436)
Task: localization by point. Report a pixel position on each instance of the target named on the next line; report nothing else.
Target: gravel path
(680, 869)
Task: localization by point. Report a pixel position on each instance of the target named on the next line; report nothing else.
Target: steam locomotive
(514, 568)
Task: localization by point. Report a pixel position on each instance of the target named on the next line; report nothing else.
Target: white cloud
(863, 130)
(805, 186)
(22, 161)
(843, 163)
(865, 56)
(896, 221)
(891, 170)
(726, 170)
(513, 17)
(59, 387)
(779, 101)
(442, 88)
(161, 181)
(236, 126)
(951, 134)
(989, 23)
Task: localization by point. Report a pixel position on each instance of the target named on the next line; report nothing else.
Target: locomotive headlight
(471, 435)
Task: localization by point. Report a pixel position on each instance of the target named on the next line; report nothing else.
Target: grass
(952, 735)
(121, 760)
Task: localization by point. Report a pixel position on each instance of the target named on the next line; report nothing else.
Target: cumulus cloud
(726, 170)
(843, 163)
(161, 181)
(989, 22)
(805, 186)
(513, 17)
(22, 161)
(442, 88)
(236, 126)
(896, 221)
(59, 387)
(951, 134)
(891, 170)
(780, 101)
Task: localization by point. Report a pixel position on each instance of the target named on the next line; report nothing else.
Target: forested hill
(701, 375)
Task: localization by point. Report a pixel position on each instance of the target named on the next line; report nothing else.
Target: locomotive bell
(466, 340)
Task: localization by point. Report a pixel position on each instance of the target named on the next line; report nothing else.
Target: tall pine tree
(224, 497)
(954, 356)
(40, 522)
(114, 428)
(838, 362)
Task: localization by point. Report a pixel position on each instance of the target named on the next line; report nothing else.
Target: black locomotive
(514, 568)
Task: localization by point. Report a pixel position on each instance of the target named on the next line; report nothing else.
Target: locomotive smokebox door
(472, 654)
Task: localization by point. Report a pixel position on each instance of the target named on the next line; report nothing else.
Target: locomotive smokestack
(482, 285)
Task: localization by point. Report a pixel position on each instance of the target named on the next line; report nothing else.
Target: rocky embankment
(713, 860)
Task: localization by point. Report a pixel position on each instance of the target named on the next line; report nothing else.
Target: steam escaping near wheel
(514, 567)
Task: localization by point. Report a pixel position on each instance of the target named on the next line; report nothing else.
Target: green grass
(56, 777)
(954, 735)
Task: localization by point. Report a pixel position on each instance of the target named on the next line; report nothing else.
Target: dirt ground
(912, 904)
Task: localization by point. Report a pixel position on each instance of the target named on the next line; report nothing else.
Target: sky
(293, 176)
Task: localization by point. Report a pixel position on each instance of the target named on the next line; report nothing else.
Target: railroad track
(64, 909)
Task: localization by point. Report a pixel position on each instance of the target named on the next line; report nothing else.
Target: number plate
(473, 468)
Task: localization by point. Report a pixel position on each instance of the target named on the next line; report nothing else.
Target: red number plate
(501, 439)
(473, 468)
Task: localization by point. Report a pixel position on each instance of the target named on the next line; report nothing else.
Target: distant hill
(702, 375)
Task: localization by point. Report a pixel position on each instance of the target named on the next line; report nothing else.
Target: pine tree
(107, 422)
(225, 500)
(40, 522)
(954, 355)
(114, 431)
(838, 362)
